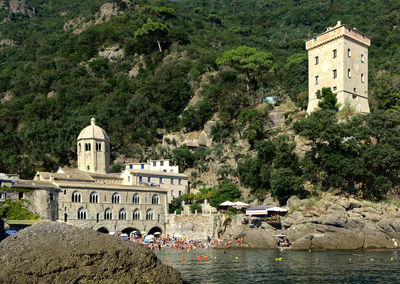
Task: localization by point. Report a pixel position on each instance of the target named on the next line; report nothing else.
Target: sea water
(273, 266)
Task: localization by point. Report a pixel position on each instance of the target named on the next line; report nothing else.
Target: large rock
(58, 253)
(261, 239)
(338, 238)
(374, 238)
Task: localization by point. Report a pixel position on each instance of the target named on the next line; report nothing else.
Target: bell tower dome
(93, 148)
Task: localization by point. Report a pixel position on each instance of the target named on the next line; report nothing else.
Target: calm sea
(254, 266)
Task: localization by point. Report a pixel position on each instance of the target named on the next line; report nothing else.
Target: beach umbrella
(227, 203)
(241, 204)
(149, 238)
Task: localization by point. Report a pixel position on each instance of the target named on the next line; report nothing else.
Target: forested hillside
(136, 65)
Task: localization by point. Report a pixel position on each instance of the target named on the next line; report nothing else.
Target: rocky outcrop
(78, 25)
(58, 253)
(112, 53)
(329, 223)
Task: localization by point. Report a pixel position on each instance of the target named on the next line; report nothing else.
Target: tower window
(362, 78)
(88, 168)
(334, 74)
(87, 147)
(362, 58)
(334, 53)
(355, 90)
(349, 73)
(98, 147)
(349, 52)
(316, 80)
(316, 60)
(79, 146)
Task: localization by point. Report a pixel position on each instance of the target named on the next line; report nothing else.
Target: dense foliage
(230, 54)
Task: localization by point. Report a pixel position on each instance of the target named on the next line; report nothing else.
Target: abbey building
(90, 196)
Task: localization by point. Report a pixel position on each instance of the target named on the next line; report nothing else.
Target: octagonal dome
(93, 132)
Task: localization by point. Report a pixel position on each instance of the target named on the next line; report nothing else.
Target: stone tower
(93, 149)
(338, 58)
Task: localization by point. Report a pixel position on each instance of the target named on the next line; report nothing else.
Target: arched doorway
(103, 230)
(155, 231)
(130, 230)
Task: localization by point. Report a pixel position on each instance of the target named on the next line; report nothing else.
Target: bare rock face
(54, 252)
(112, 53)
(17, 6)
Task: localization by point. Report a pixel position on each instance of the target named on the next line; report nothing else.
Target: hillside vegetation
(137, 65)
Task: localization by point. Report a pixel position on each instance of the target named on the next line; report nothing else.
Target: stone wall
(193, 226)
(39, 201)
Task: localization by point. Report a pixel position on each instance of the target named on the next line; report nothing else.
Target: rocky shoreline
(54, 252)
(327, 223)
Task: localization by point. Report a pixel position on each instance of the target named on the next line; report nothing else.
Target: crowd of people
(157, 242)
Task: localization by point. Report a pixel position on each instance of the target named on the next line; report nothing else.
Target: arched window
(149, 214)
(108, 214)
(136, 214)
(115, 198)
(87, 146)
(122, 214)
(81, 214)
(76, 196)
(154, 199)
(98, 147)
(136, 198)
(94, 197)
(79, 147)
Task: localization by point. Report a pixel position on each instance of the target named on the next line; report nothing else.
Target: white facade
(154, 165)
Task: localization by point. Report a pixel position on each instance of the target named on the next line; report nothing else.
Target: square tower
(338, 58)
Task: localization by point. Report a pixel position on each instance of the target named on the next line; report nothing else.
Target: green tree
(248, 60)
(225, 191)
(327, 99)
(155, 31)
(387, 91)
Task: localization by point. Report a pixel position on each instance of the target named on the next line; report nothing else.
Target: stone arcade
(91, 197)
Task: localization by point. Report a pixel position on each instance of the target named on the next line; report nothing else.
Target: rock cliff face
(58, 253)
(331, 223)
